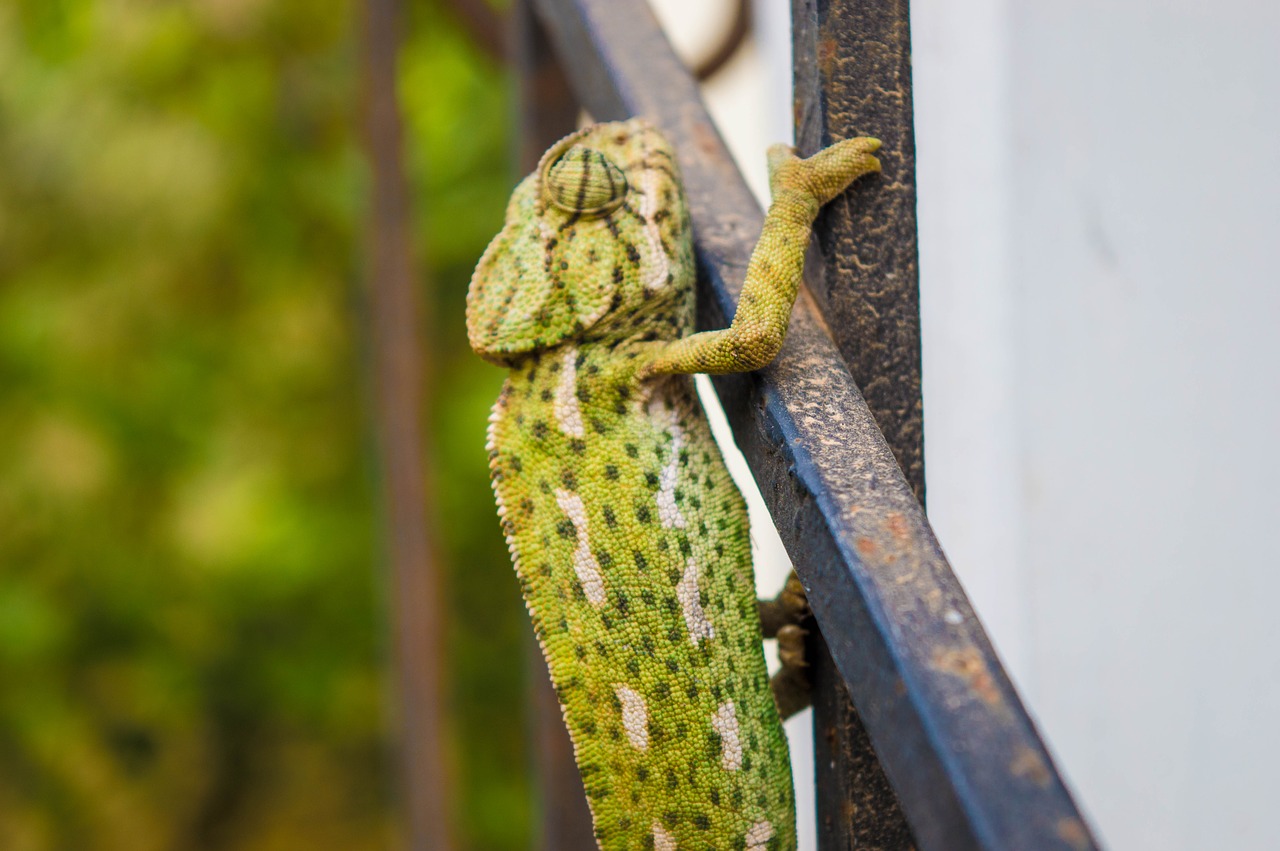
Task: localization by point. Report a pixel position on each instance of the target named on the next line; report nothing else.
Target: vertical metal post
(400, 374)
(853, 77)
(548, 111)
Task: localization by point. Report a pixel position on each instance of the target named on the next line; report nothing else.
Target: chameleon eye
(584, 181)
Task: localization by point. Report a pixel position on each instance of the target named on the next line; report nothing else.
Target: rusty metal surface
(856, 804)
(852, 74)
(954, 739)
(852, 77)
(547, 111)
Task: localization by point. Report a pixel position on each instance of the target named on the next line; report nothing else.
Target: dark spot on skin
(546, 395)
(642, 773)
(646, 596)
(544, 569)
(607, 621)
(713, 744)
(617, 275)
(577, 446)
(672, 780)
(633, 667)
(736, 797)
(647, 643)
(701, 822)
(569, 479)
(670, 604)
(670, 819)
(540, 430)
(642, 514)
(651, 479)
(663, 691)
(673, 636)
(599, 426)
(566, 530)
(663, 545)
(623, 604)
(714, 796)
(686, 548)
(580, 652)
(564, 265)
(674, 576)
(609, 519)
(642, 564)
(673, 666)
(631, 450)
(633, 254)
(605, 558)
(584, 393)
(611, 472)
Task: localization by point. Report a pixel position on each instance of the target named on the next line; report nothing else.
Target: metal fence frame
(920, 737)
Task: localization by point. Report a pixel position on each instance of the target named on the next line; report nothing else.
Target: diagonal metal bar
(953, 737)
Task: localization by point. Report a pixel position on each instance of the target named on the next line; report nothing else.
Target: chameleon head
(595, 245)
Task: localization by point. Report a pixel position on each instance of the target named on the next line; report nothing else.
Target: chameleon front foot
(780, 618)
(791, 606)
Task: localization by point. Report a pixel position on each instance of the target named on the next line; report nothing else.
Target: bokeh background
(193, 632)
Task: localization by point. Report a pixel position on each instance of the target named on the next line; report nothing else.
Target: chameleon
(629, 539)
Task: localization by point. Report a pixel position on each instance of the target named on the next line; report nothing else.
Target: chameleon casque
(629, 538)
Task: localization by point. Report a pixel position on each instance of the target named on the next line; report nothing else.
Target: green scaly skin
(629, 538)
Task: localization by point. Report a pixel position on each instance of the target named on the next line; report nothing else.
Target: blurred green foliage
(193, 636)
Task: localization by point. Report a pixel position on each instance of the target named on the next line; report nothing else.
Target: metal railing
(921, 739)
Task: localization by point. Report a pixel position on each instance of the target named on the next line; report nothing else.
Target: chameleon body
(629, 538)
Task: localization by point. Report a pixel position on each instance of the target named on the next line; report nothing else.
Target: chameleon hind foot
(780, 618)
(792, 690)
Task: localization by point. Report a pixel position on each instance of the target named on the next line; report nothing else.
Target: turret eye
(584, 181)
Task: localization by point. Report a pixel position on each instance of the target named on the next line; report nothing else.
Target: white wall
(1101, 268)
